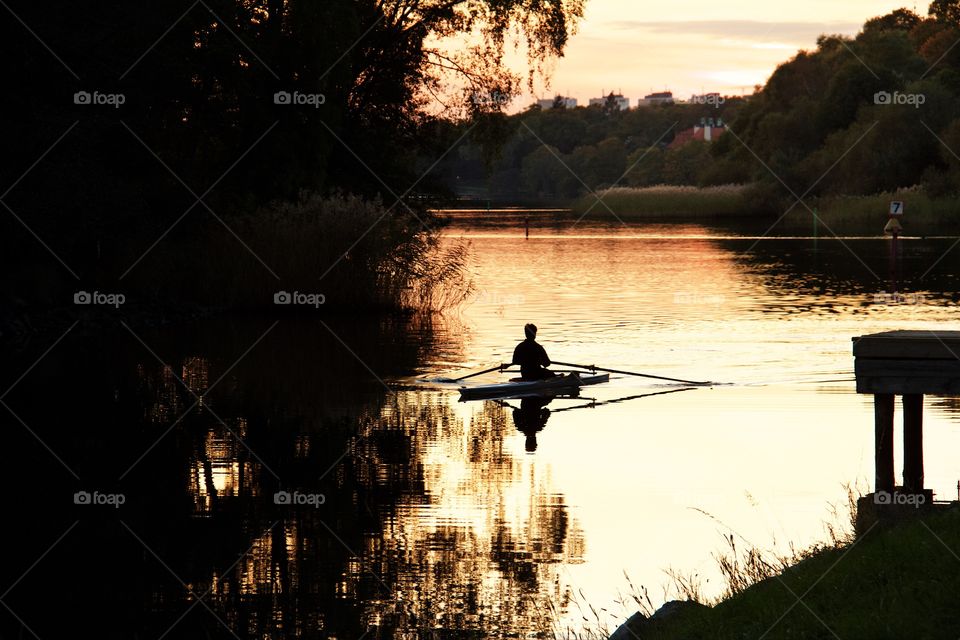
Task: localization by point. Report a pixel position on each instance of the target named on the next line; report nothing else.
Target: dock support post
(913, 442)
(883, 441)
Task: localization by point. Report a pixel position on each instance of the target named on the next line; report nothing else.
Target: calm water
(440, 518)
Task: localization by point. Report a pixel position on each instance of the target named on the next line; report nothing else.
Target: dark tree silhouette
(144, 111)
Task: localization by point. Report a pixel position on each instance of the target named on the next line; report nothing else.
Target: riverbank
(666, 202)
(861, 215)
(336, 254)
(896, 582)
(923, 214)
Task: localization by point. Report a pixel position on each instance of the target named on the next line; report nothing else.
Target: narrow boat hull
(547, 386)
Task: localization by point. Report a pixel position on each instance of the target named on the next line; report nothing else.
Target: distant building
(708, 130)
(617, 99)
(564, 102)
(661, 97)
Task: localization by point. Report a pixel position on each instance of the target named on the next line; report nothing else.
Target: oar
(630, 373)
(591, 405)
(499, 367)
(593, 401)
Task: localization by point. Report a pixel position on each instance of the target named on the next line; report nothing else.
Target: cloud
(801, 33)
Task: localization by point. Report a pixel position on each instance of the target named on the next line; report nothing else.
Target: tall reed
(357, 253)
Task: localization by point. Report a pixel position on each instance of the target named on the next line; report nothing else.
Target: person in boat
(532, 357)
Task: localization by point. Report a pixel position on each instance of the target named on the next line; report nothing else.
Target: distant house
(564, 102)
(708, 130)
(619, 102)
(661, 97)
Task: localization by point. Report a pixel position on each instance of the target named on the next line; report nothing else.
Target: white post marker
(893, 226)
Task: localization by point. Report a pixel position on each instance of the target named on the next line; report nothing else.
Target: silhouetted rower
(532, 357)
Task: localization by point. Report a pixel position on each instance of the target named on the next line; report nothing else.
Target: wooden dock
(909, 364)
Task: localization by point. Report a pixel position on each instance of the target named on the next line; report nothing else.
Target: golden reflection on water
(774, 316)
(217, 472)
(476, 546)
(441, 518)
(479, 547)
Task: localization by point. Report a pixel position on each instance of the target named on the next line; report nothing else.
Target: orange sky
(693, 46)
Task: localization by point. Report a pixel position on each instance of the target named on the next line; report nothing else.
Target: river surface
(423, 517)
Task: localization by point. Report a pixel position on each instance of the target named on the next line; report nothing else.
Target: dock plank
(912, 344)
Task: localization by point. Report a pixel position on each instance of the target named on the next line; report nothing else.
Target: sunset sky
(693, 46)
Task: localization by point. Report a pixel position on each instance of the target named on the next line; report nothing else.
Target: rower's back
(531, 356)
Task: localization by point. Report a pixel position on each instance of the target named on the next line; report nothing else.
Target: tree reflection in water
(430, 526)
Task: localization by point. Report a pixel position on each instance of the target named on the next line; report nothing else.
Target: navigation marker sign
(896, 208)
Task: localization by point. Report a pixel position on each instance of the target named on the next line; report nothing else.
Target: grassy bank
(894, 582)
(862, 215)
(664, 202)
(924, 215)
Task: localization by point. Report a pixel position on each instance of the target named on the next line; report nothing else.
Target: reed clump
(356, 252)
(668, 201)
(867, 214)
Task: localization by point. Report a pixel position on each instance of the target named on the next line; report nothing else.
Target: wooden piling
(883, 438)
(908, 363)
(913, 442)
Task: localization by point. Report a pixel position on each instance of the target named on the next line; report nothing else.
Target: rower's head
(530, 330)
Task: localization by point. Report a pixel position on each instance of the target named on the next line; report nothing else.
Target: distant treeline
(559, 154)
(862, 115)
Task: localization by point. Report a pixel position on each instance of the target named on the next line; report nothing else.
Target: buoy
(893, 227)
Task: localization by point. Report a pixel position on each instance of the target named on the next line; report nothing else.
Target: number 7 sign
(896, 208)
